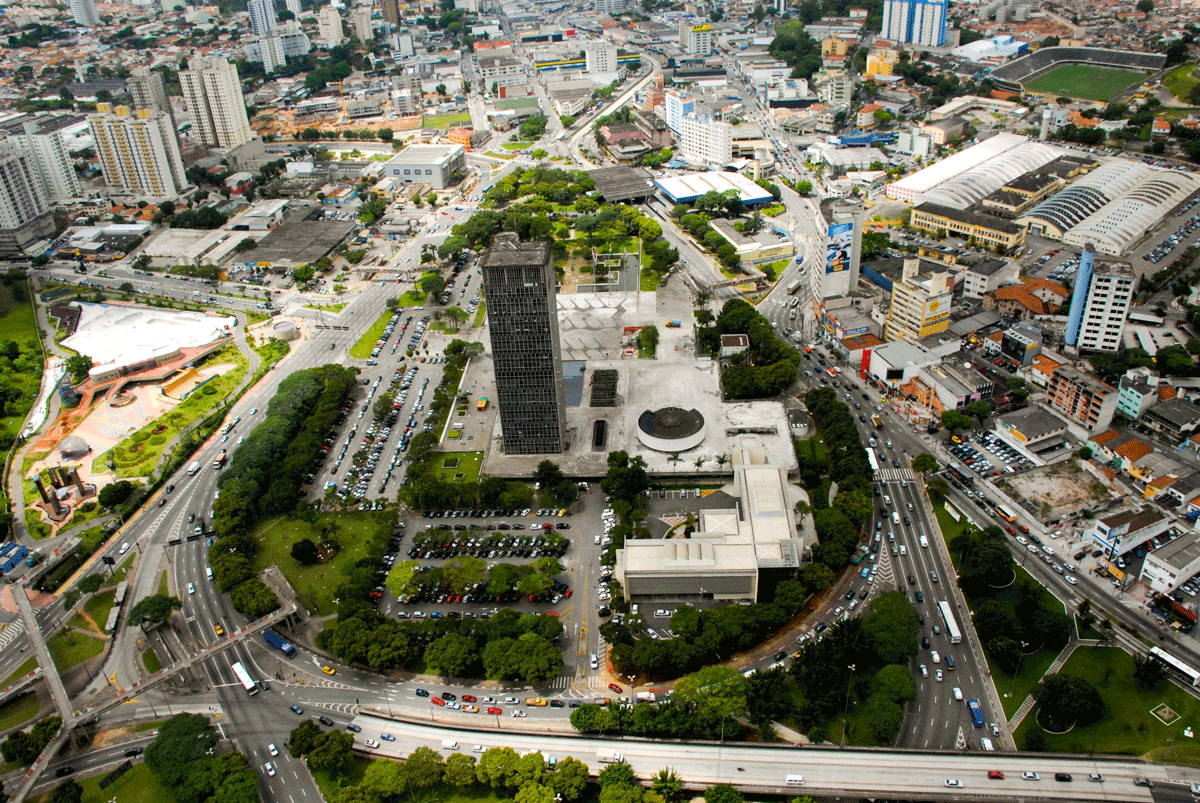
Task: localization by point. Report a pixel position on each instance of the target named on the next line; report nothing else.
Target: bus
(951, 625)
(244, 678)
(859, 555)
(794, 286)
(874, 464)
(960, 475)
(1172, 663)
(561, 136)
(1006, 514)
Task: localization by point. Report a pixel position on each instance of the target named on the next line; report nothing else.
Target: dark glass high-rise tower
(518, 281)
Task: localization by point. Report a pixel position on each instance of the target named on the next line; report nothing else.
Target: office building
(138, 151)
(1099, 303)
(147, 90)
(613, 8)
(1084, 400)
(837, 273)
(262, 16)
(519, 281)
(25, 218)
(706, 141)
(920, 303)
(404, 45)
(84, 12)
(391, 11)
(213, 94)
(439, 166)
(1172, 564)
(695, 37)
(600, 57)
(329, 26)
(42, 141)
(361, 17)
(678, 104)
(917, 22)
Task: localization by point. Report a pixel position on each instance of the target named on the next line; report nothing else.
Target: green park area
(1137, 721)
(517, 145)
(137, 455)
(445, 120)
(331, 783)
(362, 349)
(69, 647)
(459, 466)
(139, 785)
(343, 539)
(19, 710)
(20, 672)
(1181, 80)
(1084, 81)
(20, 361)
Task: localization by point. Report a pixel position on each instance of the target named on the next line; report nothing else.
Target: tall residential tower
(213, 95)
(918, 22)
(1099, 303)
(138, 151)
(519, 280)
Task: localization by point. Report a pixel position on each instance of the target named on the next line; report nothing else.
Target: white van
(210, 574)
(459, 427)
(958, 694)
(449, 744)
(795, 780)
(895, 518)
(937, 659)
(986, 743)
(924, 541)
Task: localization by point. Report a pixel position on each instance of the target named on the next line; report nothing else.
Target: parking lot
(991, 456)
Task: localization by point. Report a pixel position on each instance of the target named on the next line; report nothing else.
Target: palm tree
(721, 459)
(700, 461)
(673, 459)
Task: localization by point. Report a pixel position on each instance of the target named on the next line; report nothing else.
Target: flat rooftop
(301, 239)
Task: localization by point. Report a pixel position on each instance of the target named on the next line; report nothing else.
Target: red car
(1010, 529)
(531, 597)
(495, 711)
(615, 688)
(567, 594)
(996, 775)
(437, 701)
(468, 698)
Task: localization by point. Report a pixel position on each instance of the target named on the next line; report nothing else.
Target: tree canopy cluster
(24, 746)
(1036, 620)
(695, 219)
(324, 750)
(1064, 700)
(878, 646)
(206, 217)
(984, 562)
(548, 183)
(462, 573)
(179, 756)
(267, 475)
(771, 364)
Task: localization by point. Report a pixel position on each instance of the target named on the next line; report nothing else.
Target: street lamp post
(846, 707)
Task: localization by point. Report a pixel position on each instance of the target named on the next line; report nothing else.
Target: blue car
(435, 615)
(864, 571)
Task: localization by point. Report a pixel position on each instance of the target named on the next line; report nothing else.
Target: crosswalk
(568, 682)
(349, 709)
(11, 631)
(897, 474)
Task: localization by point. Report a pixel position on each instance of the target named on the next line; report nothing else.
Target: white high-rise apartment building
(262, 16)
(271, 51)
(362, 23)
(138, 151)
(213, 94)
(84, 12)
(24, 211)
(612, 8)
(147, 90)
(1100, 303)
(678, 104)
(706, 141)
(49, 159)
(695, 37)
(918, 22)
(329, 26)
(600, 57)
(294, 7)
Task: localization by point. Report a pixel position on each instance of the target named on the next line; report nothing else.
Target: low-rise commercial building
(439, 166)
(1172, 564)
(987, 230)
(1174, 419)
(1125, 531)
(1083, 399)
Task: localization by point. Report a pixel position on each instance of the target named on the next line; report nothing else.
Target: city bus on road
(1006, 514)
(874, 464)
(243, 677)
(951, 624)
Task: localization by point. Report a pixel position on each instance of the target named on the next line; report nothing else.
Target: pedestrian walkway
(11, 631)
(897, 474)
(1030, 702)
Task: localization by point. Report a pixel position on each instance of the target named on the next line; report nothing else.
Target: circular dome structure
(286, 330)
(671, 429)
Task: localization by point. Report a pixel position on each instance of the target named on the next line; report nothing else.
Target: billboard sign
(837, 253)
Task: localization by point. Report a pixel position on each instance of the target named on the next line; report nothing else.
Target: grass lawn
(333, 309)
(649, 281)
(18, 324)
(162, 585)
(69, 648)
(19, 711)
(362, 349)
(516, 145)
(468, 464)
(774, 210)
(812, 449)
(1128, 726)
(150, 661)
(517, 103)
(99, 606)
(137, 455)
(411, 298)
(23, 669)
(1085, 81)
(1035, 664)
(315, 585)
(1181, 80)
(139, 785)
(480, 312)
(445, 120)
(329, 784)
(499, 155)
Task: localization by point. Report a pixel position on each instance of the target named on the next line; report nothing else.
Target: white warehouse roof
(973, 183)
(1118, 225)
(913, 188)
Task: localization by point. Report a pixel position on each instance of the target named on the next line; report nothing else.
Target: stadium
(1091, 73)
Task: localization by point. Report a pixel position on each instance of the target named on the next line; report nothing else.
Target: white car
(371, 743)
(954, 784)
(270, 768)
(192, 590)
(273, 750)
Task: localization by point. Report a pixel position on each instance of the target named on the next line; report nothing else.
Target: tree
(304, 738)
(894, 682)
(91, 584)
(303, 274)
(78, 366)
(181, 742)
(722, 793)
(332, 752)
(569, 779)
(115, 493)
(496, 766)
(305, 552)
(451, 655)
(892, 624)
(667, 783)
(978, 409)
(804, 187)
(618, 773)
(925, 463)
(954, 421)
(1145, 6)
(67, 792)
(154, 610)
(1148, 671)
(884, 718)
(1006, 652)
(716, 691)
(460, 770)
(1065, 700)
(433, 284)
(534, 792)
(424, 768)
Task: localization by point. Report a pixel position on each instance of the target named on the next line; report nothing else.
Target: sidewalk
(1030, 702)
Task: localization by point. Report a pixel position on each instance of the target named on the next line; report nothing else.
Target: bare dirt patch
(1056, 490)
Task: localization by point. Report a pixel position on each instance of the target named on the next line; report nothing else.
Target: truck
(278, 642)
(976, 713)
(645, 697)
(877, 421)
(794, 286)
(608, 756)
(221, 458)
(674, 324)
(482, 404)
(193, 468)
(35, 557)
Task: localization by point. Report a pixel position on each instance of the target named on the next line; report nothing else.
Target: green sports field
(1084, 81)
